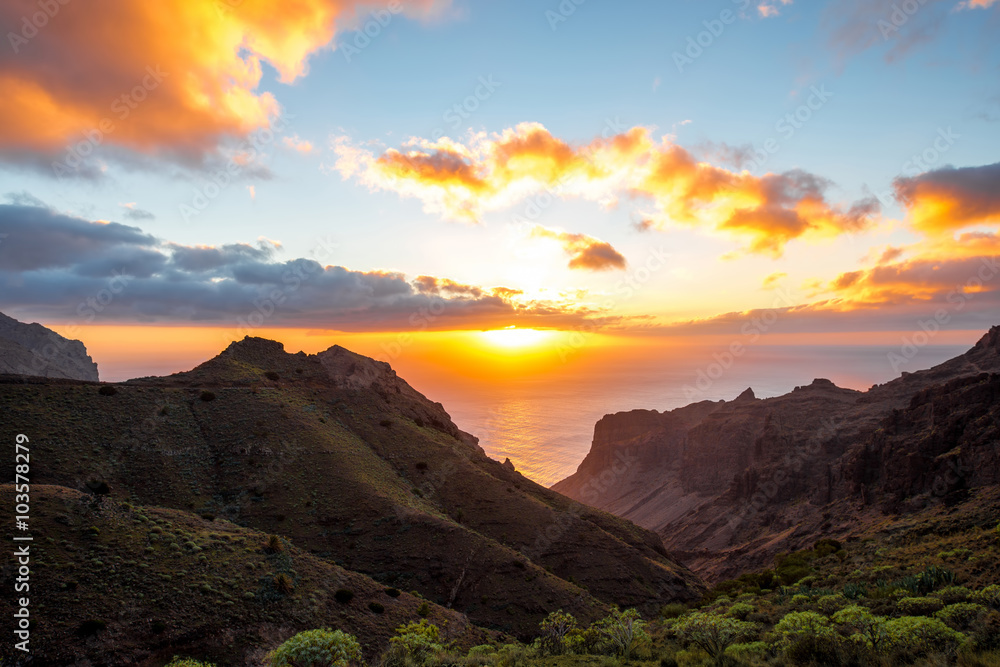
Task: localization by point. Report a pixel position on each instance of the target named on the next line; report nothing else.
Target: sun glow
(514, 338)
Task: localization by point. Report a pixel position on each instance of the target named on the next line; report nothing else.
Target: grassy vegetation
(872, 601)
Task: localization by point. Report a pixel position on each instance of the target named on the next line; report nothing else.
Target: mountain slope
(120, 584)
(31, 349)
(340, 455)
(730, 484)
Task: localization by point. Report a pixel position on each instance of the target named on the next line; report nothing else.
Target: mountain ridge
(715, 478)
(350, 464)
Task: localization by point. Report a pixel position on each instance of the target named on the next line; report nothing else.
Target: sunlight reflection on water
(545, 424)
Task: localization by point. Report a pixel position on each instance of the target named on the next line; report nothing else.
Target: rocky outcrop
(729, 484)
(31, 349)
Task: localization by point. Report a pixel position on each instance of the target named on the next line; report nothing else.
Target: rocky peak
(746, 396)
(352, 370)
(253, 349)
(990, 341)
(31, 349)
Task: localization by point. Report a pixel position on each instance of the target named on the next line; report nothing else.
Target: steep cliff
(729, 484)
(31, 349)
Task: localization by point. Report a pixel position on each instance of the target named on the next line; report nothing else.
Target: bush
(107, 390)
(829, 604)
(207, 396)
(424, 610)
(624, 631)
(274, 545)
(914, 636)
(343, 595)
(284, 584)
(962, 615)
(713, 633)
(272, 376)
(376, 608)
(392, 592)
(673, 610)
(554, 628)
(988, 597)
(919, 606)
(740, 610)
(853, 591)
(417, 640)
(317, 648)
(91, 627)
(952, 594)
(748, 653)
(188, 662)
(803, 625)
(863, 626)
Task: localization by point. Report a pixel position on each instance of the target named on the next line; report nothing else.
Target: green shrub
(748, 653)
(962, 615)
(919, 606)
(673, 610)
(207, 396)
(713, 633)
(423, 610)
(952, 594)
(343, 595)
(554, 629)
(914, 636)
(376, 607)
(107, 390)
(829, 604)
(317, 648)
(272, 376)
(740, 610)
(512, 655)
(863, 626)
(417, 640)
(988, 597)
(800, 600)
(853, 590)
(799, 624)
(188, 662)
(392, 592)
(624, 632)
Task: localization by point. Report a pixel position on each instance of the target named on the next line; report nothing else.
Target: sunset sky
(626, 171)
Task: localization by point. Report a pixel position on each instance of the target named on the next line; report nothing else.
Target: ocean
(545, 423)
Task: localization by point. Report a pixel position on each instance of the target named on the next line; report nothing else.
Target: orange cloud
(939, 268)
(946, 200)
(462, 181)
(585, 252)
(298, 145)
(173, 77)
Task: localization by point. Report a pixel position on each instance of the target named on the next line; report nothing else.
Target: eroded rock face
(729, 484)
(31, 349)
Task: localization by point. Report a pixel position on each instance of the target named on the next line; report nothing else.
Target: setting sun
(514, 338)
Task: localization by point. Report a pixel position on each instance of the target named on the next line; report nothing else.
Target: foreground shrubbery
(881, 617)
